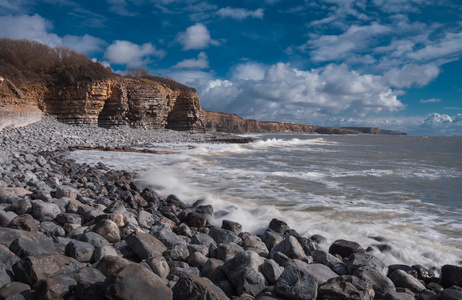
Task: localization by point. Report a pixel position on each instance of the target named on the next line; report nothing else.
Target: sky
(393, 64)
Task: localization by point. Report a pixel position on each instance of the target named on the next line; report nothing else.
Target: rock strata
(81, 231)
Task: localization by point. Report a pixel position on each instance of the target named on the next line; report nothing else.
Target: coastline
(181, 240)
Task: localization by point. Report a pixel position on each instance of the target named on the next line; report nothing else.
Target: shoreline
(103, 228)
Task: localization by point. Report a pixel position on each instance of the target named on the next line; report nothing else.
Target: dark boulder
(193, 287)
(296, 284)
(345, 248)
(346, 287)
(451, 275)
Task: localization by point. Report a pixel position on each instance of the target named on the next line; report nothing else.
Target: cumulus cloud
(250, 70)
(202, 62)
(130, 54)
(196, 37)
(84, 44)
(287, 94)
(240, 13)
(432, 100)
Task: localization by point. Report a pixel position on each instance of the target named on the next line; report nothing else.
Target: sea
(398, 196)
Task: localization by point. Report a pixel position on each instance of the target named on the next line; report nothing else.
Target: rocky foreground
(76, 231)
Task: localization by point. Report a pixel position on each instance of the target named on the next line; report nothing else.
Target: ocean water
(401, 191)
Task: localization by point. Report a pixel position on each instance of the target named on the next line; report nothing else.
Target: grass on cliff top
(24, 62)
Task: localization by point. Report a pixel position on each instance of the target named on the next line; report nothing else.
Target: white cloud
(240, 13)
(195, 37)
(130, 54)
(432, 100)
(202, 62)
(450, 47)
(411, 74)
(291, 95)
(36, 28)
(249, 71)
(337, 47)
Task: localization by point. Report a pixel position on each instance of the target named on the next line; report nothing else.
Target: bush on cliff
(24, 61)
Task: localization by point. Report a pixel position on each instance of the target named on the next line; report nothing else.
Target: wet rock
(102, 251)
(145, 245)
(177, 252)
(345, 248)
(227, 251)
(381, 284)
(251, 242)
(195, 219)
(308, 245)
(296, 284)
(235, 227)
(6, 217)
(52, 229)
(320, 272)
(404, 280)
(243, 272)
(136, 282)
(423, 273)
(290, 247)
(146, 220)
(408, 269)
(22, 206)
(346, 287)
(221, 235)
(66, 191)
(451, 275)
(193, 287)
(450, 294)
(203, 239)
(71, 218)
(23, 247)
(278, 226)
(50, 288)
(213, 270)
(271, 270)
(110, 264)
(398, 296)
(197, 259)
(361, 260)
(271, 238)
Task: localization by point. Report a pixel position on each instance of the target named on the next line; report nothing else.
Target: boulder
(13, 288)
(345, 248)
(404, 280)
(102, 251)
(31, 270)
(235, 227)
(108, 230)
(271, 238)
(45, 211)
(221, 235)
(361, 260)
(320, 272)
(22, 206)
(23, 247)
(227, 251)
(381, 284)
(290, 247)
(450, 294)
(6, 217)
(50, 288)
(94, 239)
(159, 266)
(52, 229)
(195, 219)
(197, 259)
(177, 252)
(136, 282)
(213, 270)
(451, 275)
(251, 242)
(296, 284)
(108, 265)
(145, 245)
(193, 287)
(145, 219)
(271, 270)
(423, 273)
(71, 218)
(24, 222)
(243, 272)
(346, 287)
(203, 239)
(278, 226)
(81, 251)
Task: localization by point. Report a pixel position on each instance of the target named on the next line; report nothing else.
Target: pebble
(79, 231)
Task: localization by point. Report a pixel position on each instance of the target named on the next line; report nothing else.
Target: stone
(177, 252)
(45, 211)
(136, 282)
(361, 260)
(221, 235)
(22, 206)
(290, 247)
(406, 268)
(381, 284)
(195, 219)
(320, 272)
(235, 227)
(227, 251)
(66, 191)
(296, 284)
(13, 288)
(31, 270)
(398, 296)
(24, 222)
(404, 280)
(251, 242)
(81, 251)
(271, 270)
(450, 294)
(346, 287)
(6, 217)
(167, 237)
(159, 266)
(451, 275)
(278, 226)
(203, 239)
(102, 251)
(71, 218)
(52, 229)
(108, 230)
(213, 270)
(325, 258)
(271, 238)
(109, 264)
(423, 273)
(309, 246)
(197, 259)
(146, 220)
(23, 247)
(345, 248)
(243, 272)
(145, 245)
(94, 239)
(50, 288)
(193, 287)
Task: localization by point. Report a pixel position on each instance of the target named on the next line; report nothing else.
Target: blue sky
(393, 64)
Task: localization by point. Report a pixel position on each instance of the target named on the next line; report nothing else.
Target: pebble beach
(81, 231)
